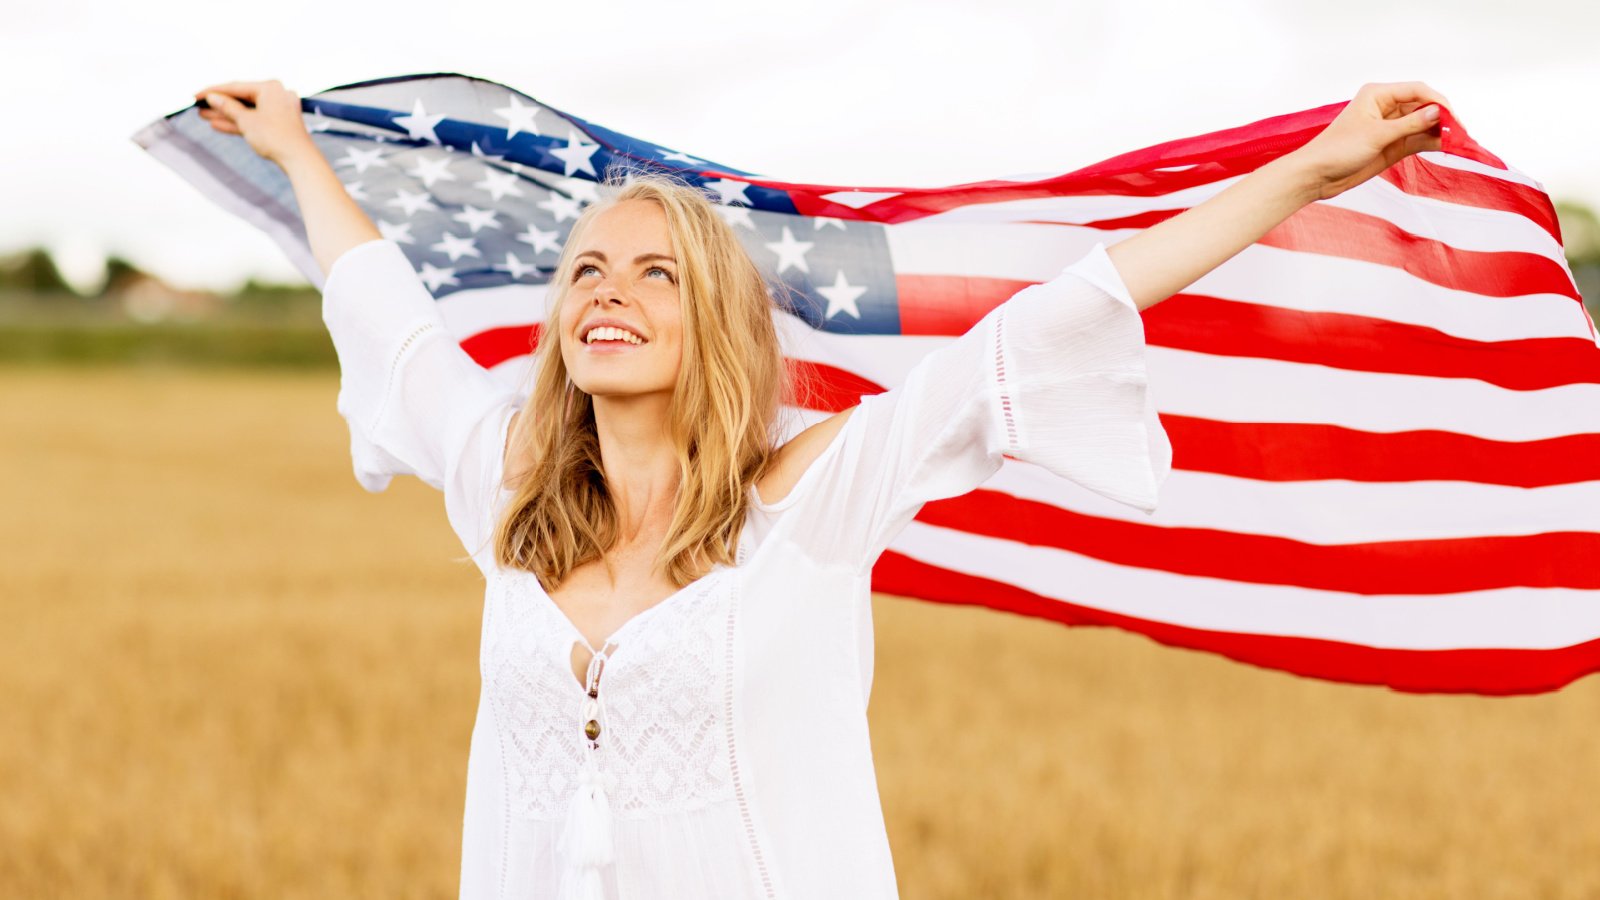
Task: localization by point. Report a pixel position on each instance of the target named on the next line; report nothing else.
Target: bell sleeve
(415, 402)
(1054, 376)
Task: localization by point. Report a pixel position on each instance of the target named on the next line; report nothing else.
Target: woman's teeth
(607, 333)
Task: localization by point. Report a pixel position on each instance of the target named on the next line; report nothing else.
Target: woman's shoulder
(795, 457)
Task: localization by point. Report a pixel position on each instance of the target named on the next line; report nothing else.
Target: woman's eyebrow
(646, 257)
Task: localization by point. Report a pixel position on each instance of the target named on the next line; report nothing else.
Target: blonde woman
(677, 639)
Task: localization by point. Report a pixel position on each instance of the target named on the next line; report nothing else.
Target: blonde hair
(729, 389)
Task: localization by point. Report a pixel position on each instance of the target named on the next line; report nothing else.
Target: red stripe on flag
(1420, 178)
(1443, 566)
(952, 304)
(496, 345)
(1292, 451)
(1362, 343)
(1345, 233)
(820, 386)
(1478, 670)
(949, 304)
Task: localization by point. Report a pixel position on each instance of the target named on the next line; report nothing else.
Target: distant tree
(119, 274)
(1580, 232)
(32, 270)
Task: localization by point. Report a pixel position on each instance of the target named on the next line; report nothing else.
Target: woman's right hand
(274, 128)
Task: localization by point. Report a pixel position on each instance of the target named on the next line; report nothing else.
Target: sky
(838, 91)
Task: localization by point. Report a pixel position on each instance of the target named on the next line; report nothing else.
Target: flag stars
(436, 277)
(820, 222)
(419, 124)
(475, 218)
(499, 184)
(675, 156)
(516, 267)
(431, 170)
(412, 202)
(541, 240)
(791, 252)
(730, 192)
(736, 215)
(561, 206)
(399, 233)
(580, 189)
(456, 247)
(576, 156)
(361, 159)
(518, 118)
(842, 297)
(356, 191)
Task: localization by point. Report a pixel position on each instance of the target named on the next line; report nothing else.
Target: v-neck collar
(613, 639)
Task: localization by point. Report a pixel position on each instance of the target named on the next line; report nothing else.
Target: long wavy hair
(725, 402)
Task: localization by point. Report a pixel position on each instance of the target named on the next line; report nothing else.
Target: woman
(677, 640)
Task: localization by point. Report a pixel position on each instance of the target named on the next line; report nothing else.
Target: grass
(226, 671)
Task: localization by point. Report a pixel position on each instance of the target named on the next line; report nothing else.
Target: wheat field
(226, 671)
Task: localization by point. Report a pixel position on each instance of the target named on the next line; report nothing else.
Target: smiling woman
(677, 644)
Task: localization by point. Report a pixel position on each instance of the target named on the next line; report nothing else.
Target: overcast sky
(842, 91)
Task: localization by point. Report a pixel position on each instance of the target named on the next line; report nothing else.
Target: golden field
(226, 671)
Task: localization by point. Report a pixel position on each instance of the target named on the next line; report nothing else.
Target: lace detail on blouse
(665, 740)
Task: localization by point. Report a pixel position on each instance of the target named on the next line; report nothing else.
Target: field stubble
(227, 671)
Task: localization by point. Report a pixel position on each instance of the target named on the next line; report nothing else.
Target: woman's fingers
(247, 90)
(1395, 95)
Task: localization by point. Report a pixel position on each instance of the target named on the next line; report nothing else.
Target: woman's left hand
(1384, 124)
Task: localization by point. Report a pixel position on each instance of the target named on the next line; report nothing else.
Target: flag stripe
(1304, 451)
(1522, 617)
(1563, 559)
(1483, 670)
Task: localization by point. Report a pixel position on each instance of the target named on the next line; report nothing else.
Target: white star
(736, 215)
(319, 123)
(419, 124)
(457, 247)
(541, 240)
(561, 206)
(499, 184)
(790, 252)
(363, 158)
(355, 191)
(517, 267)
(400, 234)
(576, 155)
(518, 118)
(685, 158)
(431, 170)
(842, 297)
(581, 189)
(435, 276)
(730, 192)
(476, 218)
(821, 222)
(411, 203)
(478, 152)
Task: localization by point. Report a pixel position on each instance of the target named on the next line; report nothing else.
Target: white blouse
(734, 759)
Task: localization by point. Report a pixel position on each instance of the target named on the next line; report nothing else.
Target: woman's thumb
(1419, 120)
(222, 103)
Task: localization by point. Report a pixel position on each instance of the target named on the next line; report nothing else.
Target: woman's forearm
(1171, 255)
(334, 222)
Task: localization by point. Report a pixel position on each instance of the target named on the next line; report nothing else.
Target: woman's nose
(605, 293)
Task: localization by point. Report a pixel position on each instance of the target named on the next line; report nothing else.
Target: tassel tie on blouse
(587, 841)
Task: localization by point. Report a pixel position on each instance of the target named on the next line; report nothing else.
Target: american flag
(1385, 415)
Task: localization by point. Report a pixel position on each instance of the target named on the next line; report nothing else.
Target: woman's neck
(638, 460)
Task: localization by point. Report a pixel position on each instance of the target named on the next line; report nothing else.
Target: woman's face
(621, 322)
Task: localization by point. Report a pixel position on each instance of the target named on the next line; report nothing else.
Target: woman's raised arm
(416, 403)
(267, 115)
(1383, 124)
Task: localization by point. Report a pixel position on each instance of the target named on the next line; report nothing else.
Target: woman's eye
(583, 271)
(657, 270)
